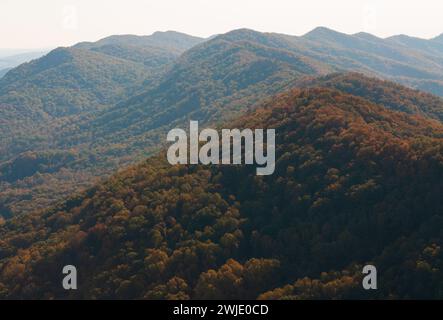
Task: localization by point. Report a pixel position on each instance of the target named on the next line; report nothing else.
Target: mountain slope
(12, 61)
(120, 111)
(432, 46)
(4, 71)
(215, 80)
(240, 65)
(391, 95)
(386, 58)
(47, 84)
(41, 100)
(85, 77)
(174, 41)
(350, 175)
(155, 50)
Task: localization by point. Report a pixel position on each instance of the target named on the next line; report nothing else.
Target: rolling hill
(355, 183)
(83, 78)
(389, 58)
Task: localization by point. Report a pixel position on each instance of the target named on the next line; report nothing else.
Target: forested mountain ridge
(67, 80)
(385, 58)
(85, 77)
(395, 99)
(213, 81)
(175, 41)
(390, 94)
(155, 50)
(355, 183)
(121, 94)
(40, 100)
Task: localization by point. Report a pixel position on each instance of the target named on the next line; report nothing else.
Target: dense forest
(84, 179)
(387, 93)
(355, 183)
(99, 106)
(84, 78)
(42, 101)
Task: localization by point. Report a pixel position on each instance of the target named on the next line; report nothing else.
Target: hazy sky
(51, 23)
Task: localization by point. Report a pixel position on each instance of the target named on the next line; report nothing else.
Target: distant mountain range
(12, 59)
(68, 80)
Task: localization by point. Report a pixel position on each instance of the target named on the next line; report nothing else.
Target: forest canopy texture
(355, 183)
(358, 179)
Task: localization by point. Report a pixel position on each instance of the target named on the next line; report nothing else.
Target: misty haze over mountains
(12, 58)
(391, 47)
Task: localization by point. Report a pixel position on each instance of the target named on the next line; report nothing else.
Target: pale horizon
(53, 23)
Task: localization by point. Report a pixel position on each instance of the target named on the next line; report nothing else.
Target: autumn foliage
(355, 183)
